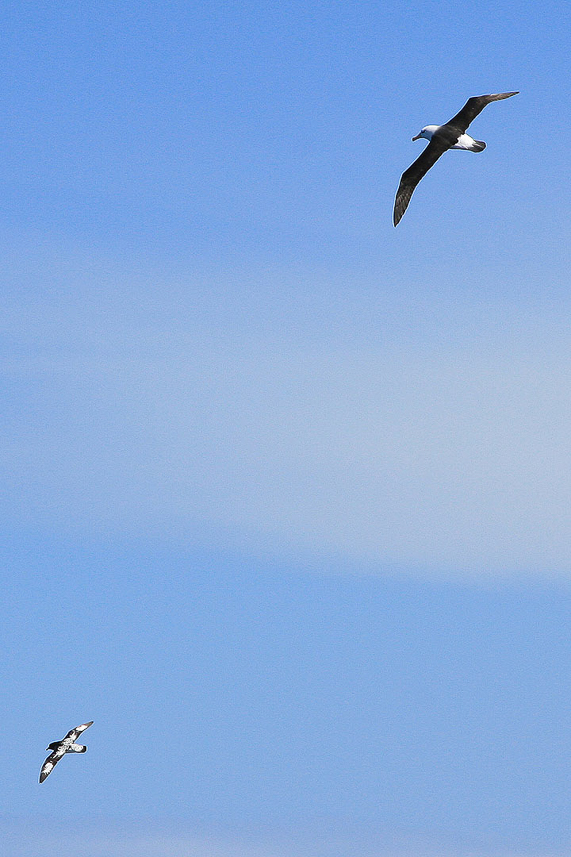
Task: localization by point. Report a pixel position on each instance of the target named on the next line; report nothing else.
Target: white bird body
(464, 141)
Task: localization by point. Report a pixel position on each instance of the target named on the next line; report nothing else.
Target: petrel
(60, 748)
(442, 137)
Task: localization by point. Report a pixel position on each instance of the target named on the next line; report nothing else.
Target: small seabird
(60, 748)
(443, 137)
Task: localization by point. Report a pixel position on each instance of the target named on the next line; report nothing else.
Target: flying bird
(443, 137)
(60, 748)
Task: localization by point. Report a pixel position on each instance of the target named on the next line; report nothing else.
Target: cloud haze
(440, 454)
(25, 841)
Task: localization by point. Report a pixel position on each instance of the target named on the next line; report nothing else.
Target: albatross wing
(474, 106)
(411, 177)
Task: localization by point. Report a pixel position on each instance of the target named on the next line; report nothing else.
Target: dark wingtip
(398, 211)
(498, 96)
(401, 204)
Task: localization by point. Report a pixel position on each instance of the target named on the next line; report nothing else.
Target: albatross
(60, 748)
(452, 135)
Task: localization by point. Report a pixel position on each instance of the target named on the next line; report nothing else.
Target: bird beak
(418, 137)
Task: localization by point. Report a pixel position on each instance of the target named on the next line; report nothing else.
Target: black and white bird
(452, 135)
(60, 748)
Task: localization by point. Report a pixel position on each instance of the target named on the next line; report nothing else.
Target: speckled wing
(51, 762)
(74, 734)
(411, 177)
(474, 106)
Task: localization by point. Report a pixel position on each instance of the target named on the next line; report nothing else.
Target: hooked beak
(418, 137)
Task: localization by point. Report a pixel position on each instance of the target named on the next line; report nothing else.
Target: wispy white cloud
(450, 461)
(440, 458)
(109, 841)
(91, 844)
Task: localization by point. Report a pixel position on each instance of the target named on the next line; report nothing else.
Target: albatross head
(427, 132)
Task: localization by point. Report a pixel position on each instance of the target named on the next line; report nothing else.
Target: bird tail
(478, 146)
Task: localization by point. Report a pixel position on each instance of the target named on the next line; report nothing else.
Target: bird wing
(411, 177)
(74, 734)
(474, 106)
(51, 762)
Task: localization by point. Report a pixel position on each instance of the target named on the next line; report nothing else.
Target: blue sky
(286, 503)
